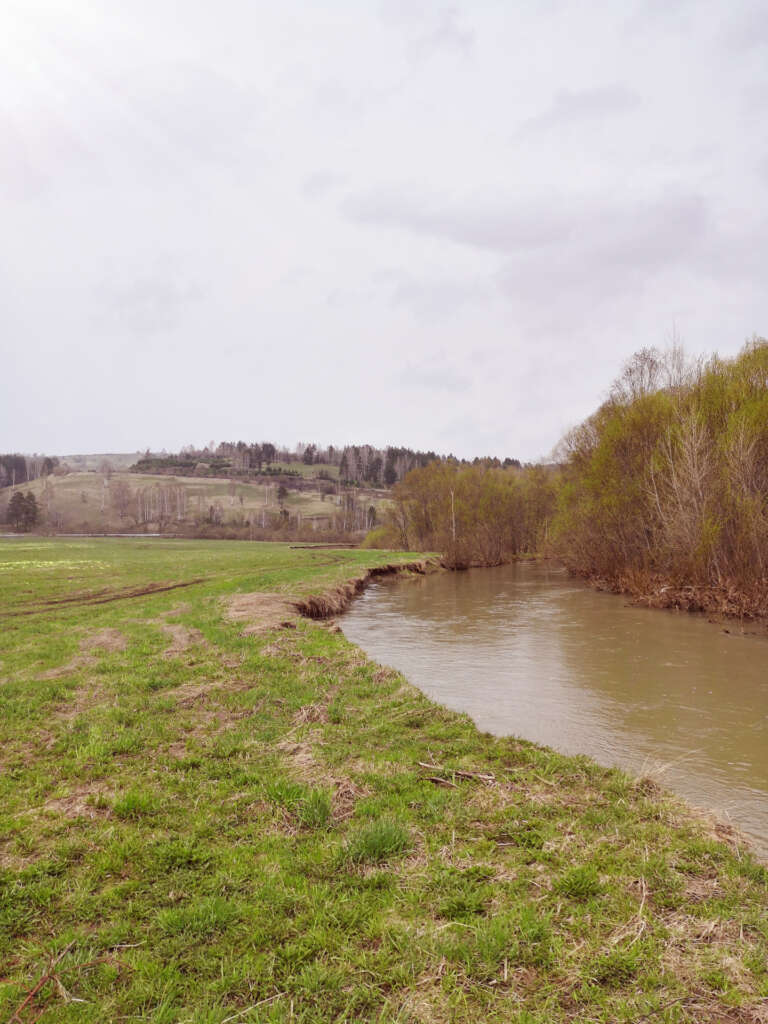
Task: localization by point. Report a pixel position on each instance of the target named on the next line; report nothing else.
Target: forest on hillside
(353, 465)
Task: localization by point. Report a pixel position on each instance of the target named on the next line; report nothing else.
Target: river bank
(212, 806)
(725, 601)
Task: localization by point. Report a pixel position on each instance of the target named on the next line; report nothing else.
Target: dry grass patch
(106, 640)
(182, 638)
(80, 661)
(311, 713)
(190, 694)
(699, 889)
(259, 613)
(88, 800)
(304, 767)
(303, 764)
(282, 647)
(82, 699)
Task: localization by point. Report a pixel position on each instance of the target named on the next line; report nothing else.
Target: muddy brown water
(525, 650)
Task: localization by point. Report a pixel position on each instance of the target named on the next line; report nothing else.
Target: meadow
(213, 809)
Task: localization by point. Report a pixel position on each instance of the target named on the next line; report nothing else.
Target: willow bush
(472, 515)
(670, 475)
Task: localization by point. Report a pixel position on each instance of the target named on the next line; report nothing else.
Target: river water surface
(527, 651)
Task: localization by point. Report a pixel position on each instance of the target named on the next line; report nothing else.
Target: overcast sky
(437, 224)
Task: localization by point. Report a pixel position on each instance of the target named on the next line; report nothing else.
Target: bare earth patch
(108, 640)
(182, 638)
(80, 700)
(78, 662)
(193, 693)
(105, 640)
(305, 767)
(260, 612)
(80, 803)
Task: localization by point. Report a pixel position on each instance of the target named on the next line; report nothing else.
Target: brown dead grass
(311, 713)
(699, 889)
(305, 767)
(195, 693)
(79, 701)
(283, 647)
(74, 665)
(259, 613)
(182, 638)
(80, 802)
(106, 640)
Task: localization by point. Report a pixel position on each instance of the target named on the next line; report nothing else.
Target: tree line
(481, 514)
(20, 469)
(358, 465)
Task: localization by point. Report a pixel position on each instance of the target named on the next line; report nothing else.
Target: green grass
(241, 830)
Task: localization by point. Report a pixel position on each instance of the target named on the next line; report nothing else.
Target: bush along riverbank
(663, 490)
(662, 494)
(214, 809)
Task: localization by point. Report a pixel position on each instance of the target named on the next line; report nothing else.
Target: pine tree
(17, 510)
(32, 510)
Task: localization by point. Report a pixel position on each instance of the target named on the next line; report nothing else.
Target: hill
(91, 502)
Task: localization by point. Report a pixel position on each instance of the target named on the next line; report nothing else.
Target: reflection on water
(526, 650)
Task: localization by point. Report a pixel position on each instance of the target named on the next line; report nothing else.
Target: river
(527, 651)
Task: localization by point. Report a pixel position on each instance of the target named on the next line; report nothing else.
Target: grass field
(212, 810)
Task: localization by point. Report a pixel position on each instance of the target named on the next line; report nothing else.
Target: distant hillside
(94, 502)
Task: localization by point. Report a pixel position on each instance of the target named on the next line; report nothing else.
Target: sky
(440, 225)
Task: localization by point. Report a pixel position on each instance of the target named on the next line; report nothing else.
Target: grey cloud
(147, 306)
(40, 148)
(319, 184)
(615, 251)
(446, 35)
(428, 377)
(643, 233)
(748, 29)
(483, 224)
(430, 298)
(430, 27)
(647, 15)
(187, 109)
(574, 107)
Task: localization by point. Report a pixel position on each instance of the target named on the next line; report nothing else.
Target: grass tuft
(579, 883)
(379, 841)
(135, 803)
